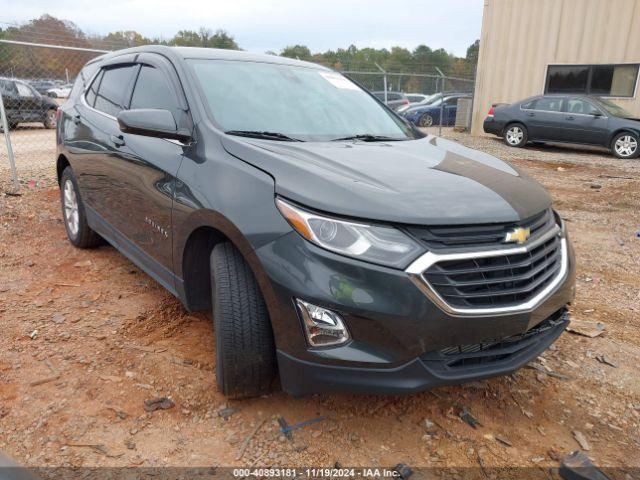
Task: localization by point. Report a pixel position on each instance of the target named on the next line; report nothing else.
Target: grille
(493, 352)
(497, 281)
(478, 235)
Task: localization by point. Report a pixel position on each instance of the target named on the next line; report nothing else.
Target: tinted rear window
(115, 82)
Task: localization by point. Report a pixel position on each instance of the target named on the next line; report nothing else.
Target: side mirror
(597, 113)
(151, 122)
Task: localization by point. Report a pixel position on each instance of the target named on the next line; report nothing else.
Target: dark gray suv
(336, 245)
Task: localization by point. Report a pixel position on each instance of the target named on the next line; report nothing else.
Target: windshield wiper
(261, 134)
(367, 137)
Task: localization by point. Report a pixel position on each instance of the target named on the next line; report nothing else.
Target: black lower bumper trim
(300, 377)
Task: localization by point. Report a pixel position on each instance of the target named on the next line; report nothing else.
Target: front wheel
(245, 350)
(50, 119)
(625, 145)
(515, 135)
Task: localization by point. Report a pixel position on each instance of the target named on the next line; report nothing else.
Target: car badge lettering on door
(518, 235)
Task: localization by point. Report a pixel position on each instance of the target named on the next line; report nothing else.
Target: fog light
(323, 327)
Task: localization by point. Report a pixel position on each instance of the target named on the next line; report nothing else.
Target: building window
(601, 80)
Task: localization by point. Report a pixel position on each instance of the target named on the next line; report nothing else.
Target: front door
(584, 122)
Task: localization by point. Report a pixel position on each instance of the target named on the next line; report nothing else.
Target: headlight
(372, 243)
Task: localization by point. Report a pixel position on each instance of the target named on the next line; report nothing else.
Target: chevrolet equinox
(337, 246)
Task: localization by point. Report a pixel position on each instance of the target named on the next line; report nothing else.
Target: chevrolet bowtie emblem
(518, 235)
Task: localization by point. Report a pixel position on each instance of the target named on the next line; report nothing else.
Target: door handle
(531, 114)
(117, 140)
(570, 117)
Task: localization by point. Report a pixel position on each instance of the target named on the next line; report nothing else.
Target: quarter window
(115, 83)
(93, 90)
(153, 91)
(602, 80)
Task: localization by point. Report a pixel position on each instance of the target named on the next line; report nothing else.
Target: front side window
(310, 104)
(153, 91)
(111, 92)
(577, 105)
(601, 80)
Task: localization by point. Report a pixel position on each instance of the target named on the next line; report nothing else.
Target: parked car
(428, 100)
(335, 244)
(394, 99)
(429, 115)
(24, 104)
(416, 97)
(577, 119)
(42, 86)
(62, 91)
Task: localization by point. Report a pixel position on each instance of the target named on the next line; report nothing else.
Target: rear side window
(152, 90)
(528, 105)
(548, 104)
(111, 92)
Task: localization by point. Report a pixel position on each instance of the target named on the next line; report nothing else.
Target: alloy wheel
(71, 213)
(626, 146)
(515, 135)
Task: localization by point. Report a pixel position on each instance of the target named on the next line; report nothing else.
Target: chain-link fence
(34, 80)
(37, 75)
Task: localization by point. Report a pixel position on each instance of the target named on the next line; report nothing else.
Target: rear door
(544, 118)
(584, 122)
(98, 143)
(144, 171)
(30, 104)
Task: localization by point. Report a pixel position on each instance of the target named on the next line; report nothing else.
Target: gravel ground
(87, 338)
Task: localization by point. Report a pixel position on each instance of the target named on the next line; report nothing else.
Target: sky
(259, 26)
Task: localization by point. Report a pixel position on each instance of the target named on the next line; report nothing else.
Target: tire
(50, 119)
(73, 216)
(515, 135)
(245, 350)
(426, 120)
(625, 145)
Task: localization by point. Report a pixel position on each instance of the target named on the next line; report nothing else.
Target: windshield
(615, 110)
(301, 103)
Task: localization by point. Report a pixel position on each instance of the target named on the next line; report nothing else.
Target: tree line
(30, 62)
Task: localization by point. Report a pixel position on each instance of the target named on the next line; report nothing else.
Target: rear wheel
(245, 350)
(515, 135)
(426, 120)
(625, 145)
(50, 119)
(73, 213)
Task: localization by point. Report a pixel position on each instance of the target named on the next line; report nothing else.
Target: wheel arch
(193, 259)
(622, 130)
(61, 163)
(509, 123)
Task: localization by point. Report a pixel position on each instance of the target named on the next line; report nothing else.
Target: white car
(60, 92)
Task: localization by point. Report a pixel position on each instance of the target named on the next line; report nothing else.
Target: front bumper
(397, 331)
(433, 369)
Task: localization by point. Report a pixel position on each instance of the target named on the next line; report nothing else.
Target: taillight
(406, 101)
(490, 114)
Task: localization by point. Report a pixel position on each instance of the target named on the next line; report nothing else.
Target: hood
(429, 181)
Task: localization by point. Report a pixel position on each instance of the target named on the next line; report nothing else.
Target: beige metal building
(530, 47)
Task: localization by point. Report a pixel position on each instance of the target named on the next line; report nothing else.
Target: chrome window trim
(422, 263)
